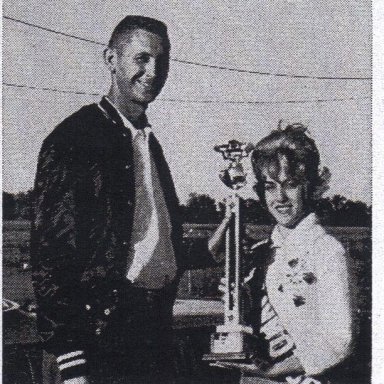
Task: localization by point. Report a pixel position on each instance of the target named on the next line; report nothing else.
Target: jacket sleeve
(323, 336)
(55, 259)
(196, 254)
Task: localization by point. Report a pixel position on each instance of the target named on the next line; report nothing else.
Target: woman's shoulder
(328, 246)
(327, 240)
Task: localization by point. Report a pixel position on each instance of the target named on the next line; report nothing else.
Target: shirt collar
(297, 235)
(127, 124)
(134, 131)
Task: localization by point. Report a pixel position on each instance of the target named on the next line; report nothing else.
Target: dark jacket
(81, 231)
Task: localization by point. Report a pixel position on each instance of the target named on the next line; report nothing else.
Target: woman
(300, 304)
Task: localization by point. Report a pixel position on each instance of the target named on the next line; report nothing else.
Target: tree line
(203, 209)
(17, 205)
(335, 211)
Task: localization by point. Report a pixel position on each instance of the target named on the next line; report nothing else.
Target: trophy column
(231, 341)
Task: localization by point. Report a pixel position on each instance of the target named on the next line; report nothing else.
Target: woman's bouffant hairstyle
(133, 22)
(291, 149)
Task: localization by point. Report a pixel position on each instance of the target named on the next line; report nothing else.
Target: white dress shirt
(153, 261)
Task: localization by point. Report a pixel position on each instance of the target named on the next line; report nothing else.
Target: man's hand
(77, 380)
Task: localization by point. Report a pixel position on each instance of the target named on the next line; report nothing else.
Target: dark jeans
(137, 345)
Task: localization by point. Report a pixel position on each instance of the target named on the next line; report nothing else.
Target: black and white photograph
(187, 192)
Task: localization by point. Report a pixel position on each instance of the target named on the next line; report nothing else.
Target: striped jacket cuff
(72, 364)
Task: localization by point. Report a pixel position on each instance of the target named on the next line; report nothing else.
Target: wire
(263, 101)
(269, 73)
(50, 89)
(52, 30)
(195, 63)
(193, 101)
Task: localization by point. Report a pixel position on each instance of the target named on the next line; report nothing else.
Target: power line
(195, 63)
(250, 102)
(269, 73)
(52, 30)
(50, 89)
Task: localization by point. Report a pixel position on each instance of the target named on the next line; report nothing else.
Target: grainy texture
(236, 69)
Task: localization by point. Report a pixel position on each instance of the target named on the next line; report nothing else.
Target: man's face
(284, 199)
(141, 66)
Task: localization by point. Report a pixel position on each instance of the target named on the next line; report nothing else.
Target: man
(106, 243)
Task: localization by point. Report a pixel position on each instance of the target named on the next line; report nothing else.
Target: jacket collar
(110, 110)
(118, 118)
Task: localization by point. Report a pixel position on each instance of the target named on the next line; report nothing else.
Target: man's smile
(283, 208)
(145, 84)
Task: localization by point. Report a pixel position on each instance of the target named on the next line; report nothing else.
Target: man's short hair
(133, 22)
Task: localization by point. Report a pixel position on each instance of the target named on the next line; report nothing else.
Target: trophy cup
(232, 340)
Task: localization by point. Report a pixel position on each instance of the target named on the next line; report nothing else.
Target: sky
(200, 106)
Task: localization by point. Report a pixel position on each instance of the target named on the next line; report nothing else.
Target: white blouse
(308, 286)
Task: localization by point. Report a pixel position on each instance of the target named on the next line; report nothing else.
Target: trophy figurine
(232, 340)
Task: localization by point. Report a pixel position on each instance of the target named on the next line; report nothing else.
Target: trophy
(232, 340)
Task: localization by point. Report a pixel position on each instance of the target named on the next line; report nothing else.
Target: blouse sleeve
(325, 335)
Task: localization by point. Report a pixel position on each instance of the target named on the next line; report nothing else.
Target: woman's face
(284, 198)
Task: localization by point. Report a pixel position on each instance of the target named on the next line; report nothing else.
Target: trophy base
(230, 356)
(231, 344)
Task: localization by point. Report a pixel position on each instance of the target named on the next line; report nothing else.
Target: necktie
(143, 201)
(153, 262)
